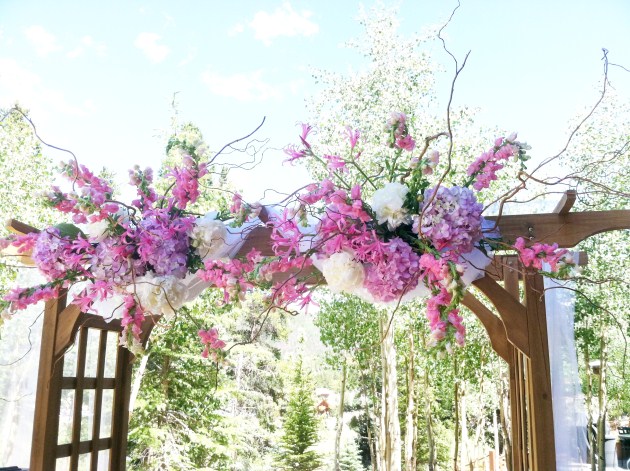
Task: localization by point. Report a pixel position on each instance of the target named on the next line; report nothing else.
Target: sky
(99, 77)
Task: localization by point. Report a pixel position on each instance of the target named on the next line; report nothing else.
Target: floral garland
(410, 239)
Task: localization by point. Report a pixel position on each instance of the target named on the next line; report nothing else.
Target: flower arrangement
(409, 239)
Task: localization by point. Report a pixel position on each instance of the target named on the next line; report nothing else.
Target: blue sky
(99, 77)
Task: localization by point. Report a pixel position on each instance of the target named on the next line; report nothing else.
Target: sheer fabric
(569, 411)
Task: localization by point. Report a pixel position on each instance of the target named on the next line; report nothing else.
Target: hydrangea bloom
(391, 271)
(451, 219)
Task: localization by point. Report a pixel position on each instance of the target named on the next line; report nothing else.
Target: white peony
(388, 202)
(160, 295)
(209, 237)
(342, 272)
(97, 231)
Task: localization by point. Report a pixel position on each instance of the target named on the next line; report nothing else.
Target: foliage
(26, 174)
(177, 420)
(349, 459)
(300, 427)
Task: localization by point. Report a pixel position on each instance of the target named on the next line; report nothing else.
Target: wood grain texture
(494, 326)
(567, 230)
(48, 393)
(566, 202)
(543, 451)
(511, 311)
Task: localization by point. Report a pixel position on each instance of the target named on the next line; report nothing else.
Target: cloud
(148, 44)
(236, 29)
(243, 87)
(284, 21)
(18, 84)
(192, 54)
(87, 43)
(44, 42)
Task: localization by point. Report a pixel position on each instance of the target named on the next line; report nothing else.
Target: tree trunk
(340, 415)
(465, 452)
(429, 422)
(495, 430)
(377, 443)
(391, 447)
(506, 431)
(372, 445)
(589, 408)
(411, 431)
(137, 381)
(603, 406)
(456, 406)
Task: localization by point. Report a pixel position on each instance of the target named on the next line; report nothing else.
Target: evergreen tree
(349, 459)
(300, 427)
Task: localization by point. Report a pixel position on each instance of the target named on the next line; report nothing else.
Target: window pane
(87, 415)
(70, 361)
(91, 353)
(111, 352)
(65, 416)
(106, 413)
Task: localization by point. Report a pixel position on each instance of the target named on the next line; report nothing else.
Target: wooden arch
(518, 335)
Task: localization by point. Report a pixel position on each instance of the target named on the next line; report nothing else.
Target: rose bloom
(209, 236)
(388, 202)
(160, 295)
(342, 272)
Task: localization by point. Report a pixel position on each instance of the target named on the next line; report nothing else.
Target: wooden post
(46, 421)
(542, 442)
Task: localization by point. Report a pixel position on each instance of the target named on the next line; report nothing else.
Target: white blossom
(209, 237)
(388, 202)
(97, 231)
(342, 272)
(160, 295)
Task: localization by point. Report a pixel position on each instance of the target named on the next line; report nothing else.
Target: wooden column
(46, 421)
(517, 386)
(543, 449)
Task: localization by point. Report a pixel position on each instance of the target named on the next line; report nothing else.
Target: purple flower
(392, 271)
(451, 219)
(163, 242)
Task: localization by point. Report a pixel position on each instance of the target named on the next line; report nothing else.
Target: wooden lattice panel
(82, 406)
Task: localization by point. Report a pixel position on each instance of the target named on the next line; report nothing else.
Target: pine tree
(300, 427)
(349, 459)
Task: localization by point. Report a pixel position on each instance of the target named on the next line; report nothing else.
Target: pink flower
(335, 163)
(406, 143)
(306, 129)
(294, 153)
(353, 136)
(483, 170)
(210, 338)
(539, 253)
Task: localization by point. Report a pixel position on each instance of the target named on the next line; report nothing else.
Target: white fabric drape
(569, 412)
(19, 364)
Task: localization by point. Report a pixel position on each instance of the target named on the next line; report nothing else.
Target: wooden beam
(493, 325)
(511, 311)
(566, 202)
(567, 230)
(18, 227)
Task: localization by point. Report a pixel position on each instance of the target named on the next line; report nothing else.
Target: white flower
(342, 272)
(388, 202)
(97, 231)
(160, 295)
(209, 237)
